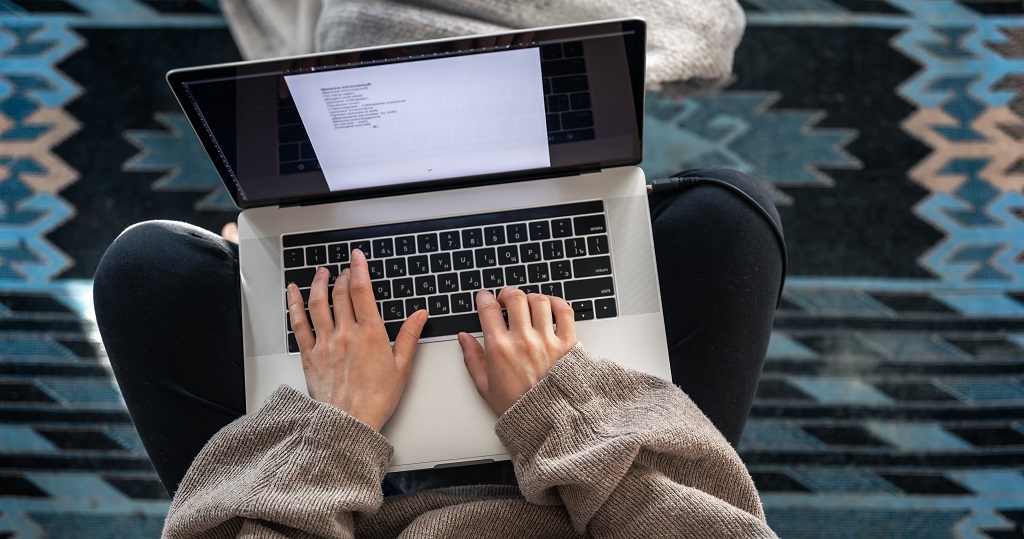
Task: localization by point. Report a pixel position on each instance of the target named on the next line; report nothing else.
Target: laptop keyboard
(440, 264)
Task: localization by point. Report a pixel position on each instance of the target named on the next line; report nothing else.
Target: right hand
(513, 359)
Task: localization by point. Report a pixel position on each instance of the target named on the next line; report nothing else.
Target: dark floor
(891, 132)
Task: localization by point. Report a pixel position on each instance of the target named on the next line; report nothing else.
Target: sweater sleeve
(628, 454)
(295, 467)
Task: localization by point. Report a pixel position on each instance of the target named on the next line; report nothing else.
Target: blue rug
(891, 133)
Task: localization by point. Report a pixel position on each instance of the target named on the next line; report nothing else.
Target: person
(597, 449)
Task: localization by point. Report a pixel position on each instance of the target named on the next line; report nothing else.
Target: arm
(303, 466)
(626, 453)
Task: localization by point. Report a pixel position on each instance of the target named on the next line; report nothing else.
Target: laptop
(455, 165)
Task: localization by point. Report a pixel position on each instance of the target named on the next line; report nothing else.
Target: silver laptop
(455, 164)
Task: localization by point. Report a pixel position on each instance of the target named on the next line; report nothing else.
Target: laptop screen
(421, 116)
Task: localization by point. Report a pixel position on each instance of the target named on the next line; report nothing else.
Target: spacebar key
(440, 326)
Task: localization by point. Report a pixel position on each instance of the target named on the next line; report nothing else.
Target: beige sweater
(598, 450)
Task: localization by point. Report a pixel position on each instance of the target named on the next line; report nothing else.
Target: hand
(350, 363)
(513, 359)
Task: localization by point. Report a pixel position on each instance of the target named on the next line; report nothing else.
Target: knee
(148, 253)
(746, 184)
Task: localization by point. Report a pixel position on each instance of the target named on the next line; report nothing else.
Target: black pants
(167, 303)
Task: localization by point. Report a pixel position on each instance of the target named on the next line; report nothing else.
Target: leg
(168, 309)
(720, 267)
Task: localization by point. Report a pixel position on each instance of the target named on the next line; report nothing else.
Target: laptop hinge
(430, 186)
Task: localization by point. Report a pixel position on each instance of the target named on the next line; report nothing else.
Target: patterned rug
(891, 133)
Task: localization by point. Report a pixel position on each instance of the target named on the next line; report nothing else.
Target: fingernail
(321, 269)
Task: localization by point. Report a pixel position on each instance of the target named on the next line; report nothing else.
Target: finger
(361, 290)
(300, 324)
(540, 312)
(514, 301)
(473, 355)
(319, 304)
(565, 321)
(406, 340)
(491, 321)
(342, 300)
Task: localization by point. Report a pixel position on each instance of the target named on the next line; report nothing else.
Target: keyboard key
(547, 86)
(486, 257)
(570, 83)
(293, 258)
(316, 256)
(394, 310)
(553, 121)
(577, 119)
(338, 252)
(494, 278)
(438, 305)
(448, 282)
(561, 228)
(462, 303)
(473, 237)
(592, 267)
(414, 304)
(561, 270)
(551, 52)
(307, 150)
(584, 310)
(376, 269)
(419, 265)
(508, 255)
(293, 345)
(440, 262)
(580, 101)
(516, 232)
(395, 267)
(575, 247)
(426, 285)
(298, 166)
(539, 230)
(555, 68)
(302, 277)
(589, 224)
(364, 245)
(572, 49)
(529, 252)
(605, 308)
(440, 326)
(462, 260)
(551, 289)
(575, 135)
(427, 243)
(382, 290)
(538, 273)
(450, 241)
(470, 281)
(597, 245)
(553, 250)
(558, 103)
(288, 152)
(405, 245)
(494, 235)
(383, 248)
(515, 275)
(589, 288)
(402, 288)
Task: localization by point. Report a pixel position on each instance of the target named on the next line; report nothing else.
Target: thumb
(473, 355)
(407, 338)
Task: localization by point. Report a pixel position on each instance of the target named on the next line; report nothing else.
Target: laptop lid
(422, 116)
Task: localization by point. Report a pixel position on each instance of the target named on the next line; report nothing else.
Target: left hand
(350, 363)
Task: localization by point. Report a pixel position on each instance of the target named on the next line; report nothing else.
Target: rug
(890, 133)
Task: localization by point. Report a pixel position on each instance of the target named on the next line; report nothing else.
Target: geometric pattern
(892, 401)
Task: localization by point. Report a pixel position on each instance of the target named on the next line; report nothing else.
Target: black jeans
(168, 307)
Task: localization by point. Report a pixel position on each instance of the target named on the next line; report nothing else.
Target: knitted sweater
(599, 450)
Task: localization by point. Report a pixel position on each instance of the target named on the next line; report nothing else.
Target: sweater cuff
(334, 435)
(526, 425)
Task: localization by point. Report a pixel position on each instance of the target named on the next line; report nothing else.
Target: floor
(891, 133)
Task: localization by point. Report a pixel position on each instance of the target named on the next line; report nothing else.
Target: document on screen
(425, 120)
